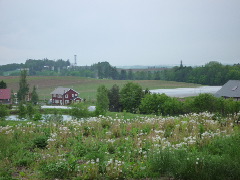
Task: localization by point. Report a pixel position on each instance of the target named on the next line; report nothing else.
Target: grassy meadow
(118, 145)
(193, 146)
(87, 87)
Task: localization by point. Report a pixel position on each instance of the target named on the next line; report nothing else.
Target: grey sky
(122, 32)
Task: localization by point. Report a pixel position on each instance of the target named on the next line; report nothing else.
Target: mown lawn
(193, 146)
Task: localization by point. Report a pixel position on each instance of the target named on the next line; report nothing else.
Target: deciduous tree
(23, 87)
(130, 97)
(102, 100)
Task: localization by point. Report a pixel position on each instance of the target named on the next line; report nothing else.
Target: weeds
(193, 146)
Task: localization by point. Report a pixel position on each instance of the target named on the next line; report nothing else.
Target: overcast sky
(122, 32)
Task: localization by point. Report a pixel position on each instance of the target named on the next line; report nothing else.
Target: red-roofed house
(5, 96)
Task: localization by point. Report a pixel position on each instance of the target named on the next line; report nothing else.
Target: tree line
(212, 73)
(132, 98)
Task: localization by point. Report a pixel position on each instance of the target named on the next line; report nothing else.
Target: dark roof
(5, 94)
(61, 90)
(230, 89)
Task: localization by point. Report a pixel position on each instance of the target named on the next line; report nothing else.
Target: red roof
(5, 94)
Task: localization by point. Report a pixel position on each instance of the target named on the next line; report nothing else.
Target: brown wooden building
(64, 96)
(5, 96)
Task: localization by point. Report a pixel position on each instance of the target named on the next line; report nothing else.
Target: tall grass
(193, 146)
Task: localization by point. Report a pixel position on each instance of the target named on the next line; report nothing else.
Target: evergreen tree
(12, 97)
(114, 98)
(34, 96)
(30, 110)
(22, 111)
(123, 75)
(102, 100)
(3, 85)
(23, 87)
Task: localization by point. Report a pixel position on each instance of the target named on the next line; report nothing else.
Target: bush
(30, 110)
(205, 102)
(153, 103)
(80, 111)
(37, 117)
(40, 142)
(3, 111)
(22, 111)
(60, 169)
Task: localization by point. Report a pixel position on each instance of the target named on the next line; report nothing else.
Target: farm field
(193, 146)
(87, 87)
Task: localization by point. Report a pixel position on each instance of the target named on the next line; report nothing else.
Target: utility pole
(75, 60)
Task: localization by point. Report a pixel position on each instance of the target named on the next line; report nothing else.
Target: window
(72, 95)
(75, 95)
(234, 88)
(56, 101)
(66, 96)
(66, 101)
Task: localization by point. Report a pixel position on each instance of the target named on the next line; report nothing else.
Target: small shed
(230, 90)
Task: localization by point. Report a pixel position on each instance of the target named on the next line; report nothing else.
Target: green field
(87, 87)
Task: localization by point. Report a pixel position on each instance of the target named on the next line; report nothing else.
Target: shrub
(37, 117)
(80, 111)
(153, 103)
(30, 110)
(22, 111)
(205, 102)
(60, 169)
(40, 142)
(3, 111)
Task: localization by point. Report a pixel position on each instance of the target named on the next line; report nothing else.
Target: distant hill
(145, 67)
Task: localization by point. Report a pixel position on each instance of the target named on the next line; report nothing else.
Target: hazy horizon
(122, 32)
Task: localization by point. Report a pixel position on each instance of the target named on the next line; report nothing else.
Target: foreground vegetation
(193, 146)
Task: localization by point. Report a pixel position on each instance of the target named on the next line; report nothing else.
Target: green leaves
(131, 96)
(102, 100)
(23, 87)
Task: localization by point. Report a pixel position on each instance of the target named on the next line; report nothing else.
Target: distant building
(5, 96)
(230, 90)
(64, 96)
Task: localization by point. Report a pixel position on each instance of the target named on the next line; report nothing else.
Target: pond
(187, 92)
